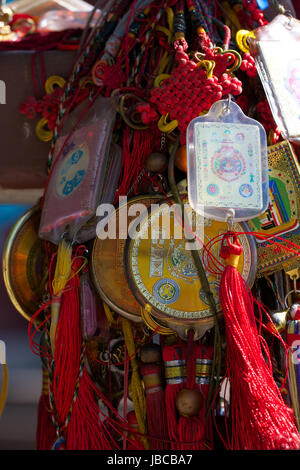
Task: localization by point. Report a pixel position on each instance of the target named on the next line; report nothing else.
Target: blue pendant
(59, 444)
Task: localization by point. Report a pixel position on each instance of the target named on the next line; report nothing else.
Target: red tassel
(156, 412)
(45, 432)
(174, 358)
(136, 149)
(76, 408)
(260, 418)
(185, 395)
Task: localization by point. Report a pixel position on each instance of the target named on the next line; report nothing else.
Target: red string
(125, 388)
(260, 418)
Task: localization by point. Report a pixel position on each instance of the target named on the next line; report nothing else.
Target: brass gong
(162, 274)
(108, 263)
(24, 264)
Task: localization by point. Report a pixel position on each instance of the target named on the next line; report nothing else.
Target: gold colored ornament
(24, 264)
(162, 274)
(107, 266)
(42, 131)
(6, 15)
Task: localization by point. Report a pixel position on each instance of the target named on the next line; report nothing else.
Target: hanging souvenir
(25, 268)
(78, 173)
(227, 164)
(188, 368)
(280, 222)
(228, 180)
(107, 261)
(276, 50)
(162, 274)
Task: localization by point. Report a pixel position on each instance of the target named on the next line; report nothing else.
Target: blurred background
(18, 421)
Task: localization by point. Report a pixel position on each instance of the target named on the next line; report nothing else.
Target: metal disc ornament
(24, 264)
(162, 274)
(108, 264)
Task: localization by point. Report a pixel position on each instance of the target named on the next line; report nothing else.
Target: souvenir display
(159, 271)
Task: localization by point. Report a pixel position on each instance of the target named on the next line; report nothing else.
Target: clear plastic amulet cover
(227, 164)
(78, 174)
(276, 49)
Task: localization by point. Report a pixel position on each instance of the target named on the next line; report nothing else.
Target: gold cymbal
(108, 267)
(24, 264)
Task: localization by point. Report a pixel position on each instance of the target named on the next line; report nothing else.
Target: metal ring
(296, 291)
(123, 113)
(290, 17)
(226, 106)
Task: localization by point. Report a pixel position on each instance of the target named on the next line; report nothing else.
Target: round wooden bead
(150, 353)
(181, 158)
(189, 402)
(156, 162)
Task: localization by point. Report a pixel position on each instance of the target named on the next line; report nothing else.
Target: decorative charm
(226, 147)
(275, 49)
(280, 222)
(173, 292)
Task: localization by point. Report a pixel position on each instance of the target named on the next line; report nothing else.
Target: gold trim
(6, 259)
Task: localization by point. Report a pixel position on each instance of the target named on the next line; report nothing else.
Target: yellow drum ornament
(161, 272)
(108, 264)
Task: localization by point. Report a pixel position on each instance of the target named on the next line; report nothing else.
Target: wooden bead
(150, 353)
(181, 159)
(189, 402)
(156, 163)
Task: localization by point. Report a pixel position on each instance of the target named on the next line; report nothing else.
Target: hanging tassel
(293, 341)
(45, 432)
(137, 392)
(187, 377)
(61, 277)
(260, 418)
(204, 362)
(75, 410)
(174, 358)
(156, 413)
(190, 404)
